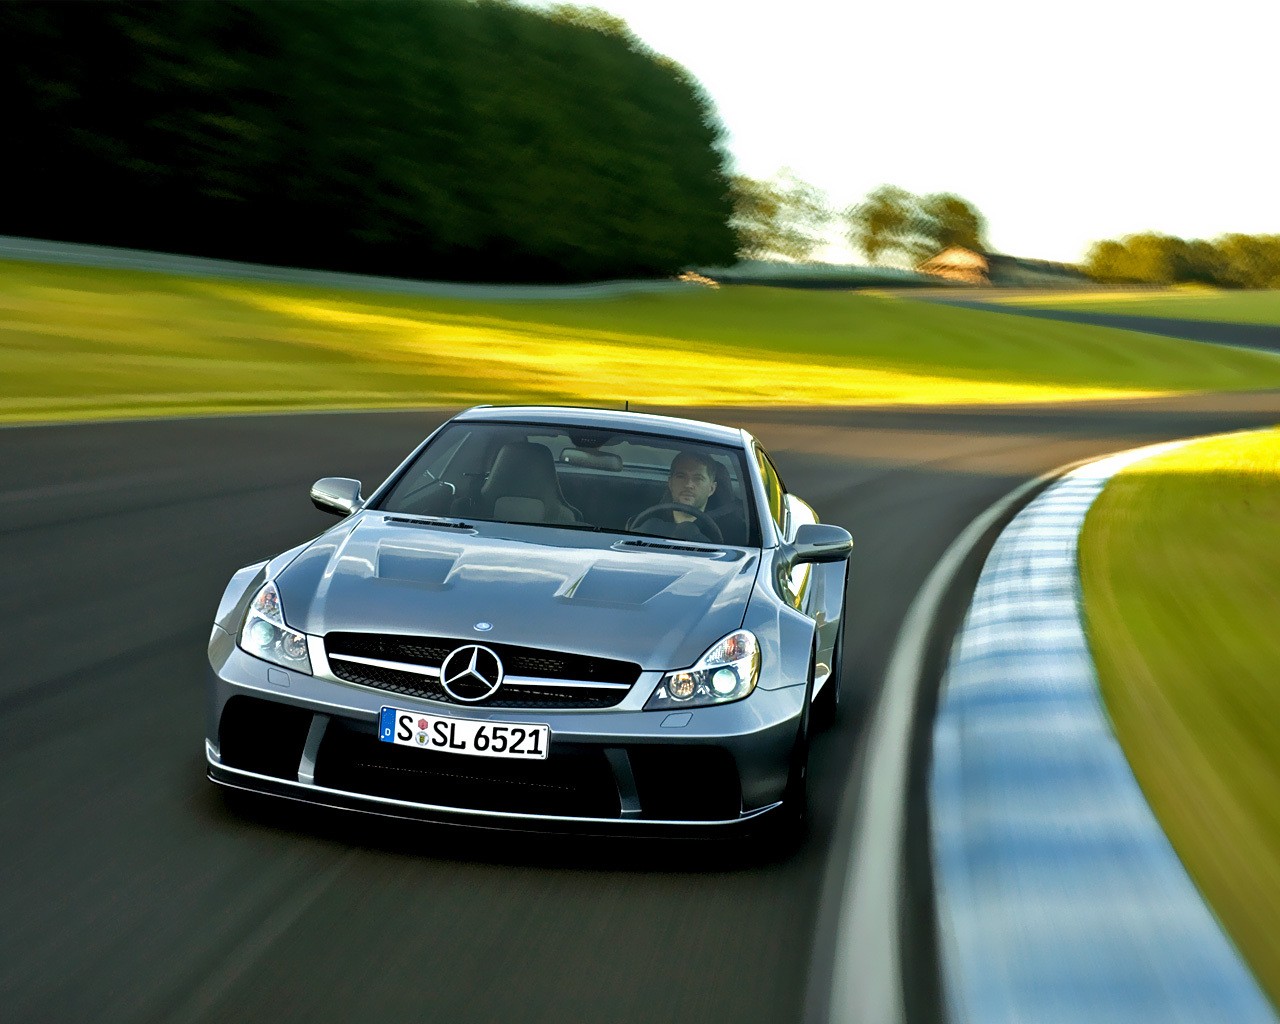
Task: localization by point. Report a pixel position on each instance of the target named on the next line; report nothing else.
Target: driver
(692, 481)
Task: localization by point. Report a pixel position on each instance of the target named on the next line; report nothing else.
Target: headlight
(264, 634)
(728, 671)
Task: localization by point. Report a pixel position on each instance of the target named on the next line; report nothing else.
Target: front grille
(516, 661)
(572, 781)
(509, 695)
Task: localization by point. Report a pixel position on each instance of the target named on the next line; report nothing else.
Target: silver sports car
(571, 619)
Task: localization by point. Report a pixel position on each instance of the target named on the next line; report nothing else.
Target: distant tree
(892, 220)
(882, 222)
(1106, 261)
(947, 220)
(1198, 262)
(1232, 261)
(1152, 258)
(1253, 261)
(1149, 258)
(782, 216)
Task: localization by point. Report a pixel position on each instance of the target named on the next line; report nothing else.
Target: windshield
(580, 478)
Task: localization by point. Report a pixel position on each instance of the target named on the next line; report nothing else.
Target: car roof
(606, 419)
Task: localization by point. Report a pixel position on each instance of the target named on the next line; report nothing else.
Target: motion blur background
(925, 252)
(501, 142)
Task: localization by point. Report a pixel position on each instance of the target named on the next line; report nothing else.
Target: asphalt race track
(132, 892)
(1260, 336)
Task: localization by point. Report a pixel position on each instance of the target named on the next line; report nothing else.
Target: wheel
(827, 703)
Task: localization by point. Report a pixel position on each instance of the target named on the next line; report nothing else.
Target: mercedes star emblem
(471, 673)
(483, 627)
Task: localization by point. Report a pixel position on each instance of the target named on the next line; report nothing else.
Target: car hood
(597, 594)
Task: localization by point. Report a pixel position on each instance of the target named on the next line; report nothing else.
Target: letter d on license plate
(460, 736)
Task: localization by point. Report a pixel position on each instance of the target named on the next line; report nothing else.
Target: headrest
(722, 496)
(523, 470)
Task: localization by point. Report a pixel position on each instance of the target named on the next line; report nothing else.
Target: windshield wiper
(554, 526)
(674, 540)
(445, 522)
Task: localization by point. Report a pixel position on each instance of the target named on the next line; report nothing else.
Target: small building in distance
(959, 264)
(964, 266)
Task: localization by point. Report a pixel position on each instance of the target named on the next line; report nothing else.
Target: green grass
(1261, 307)
(83, 343)
(1180, 566)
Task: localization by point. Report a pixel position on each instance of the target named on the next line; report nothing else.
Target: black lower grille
(686, 783)
(263, 736)
(431, 652)
(572, 781)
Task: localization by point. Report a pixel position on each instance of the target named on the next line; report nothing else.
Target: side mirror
(337, 494)
(820, 542)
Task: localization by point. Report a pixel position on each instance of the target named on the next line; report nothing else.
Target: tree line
(789, 218)
(456, 139)
(1231, 261)
(785, 217)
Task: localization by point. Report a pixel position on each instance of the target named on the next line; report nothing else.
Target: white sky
(1062, 122)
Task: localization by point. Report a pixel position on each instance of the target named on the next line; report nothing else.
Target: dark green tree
(438, 138)
(596, 19)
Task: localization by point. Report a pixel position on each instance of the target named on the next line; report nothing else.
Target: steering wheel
(708, 525)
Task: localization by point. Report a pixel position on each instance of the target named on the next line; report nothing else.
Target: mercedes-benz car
(565, 619)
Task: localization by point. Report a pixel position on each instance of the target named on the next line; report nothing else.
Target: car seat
(727, 510)
(523, 487)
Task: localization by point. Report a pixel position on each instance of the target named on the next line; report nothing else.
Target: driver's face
(690, 483)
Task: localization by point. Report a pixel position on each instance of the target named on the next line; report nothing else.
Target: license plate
(461, 736)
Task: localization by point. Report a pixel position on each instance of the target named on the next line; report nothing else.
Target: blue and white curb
(1059, 896)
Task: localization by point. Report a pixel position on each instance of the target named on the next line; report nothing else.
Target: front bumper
(616, 770)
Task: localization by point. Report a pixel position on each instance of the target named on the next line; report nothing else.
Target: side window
(773, 489)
